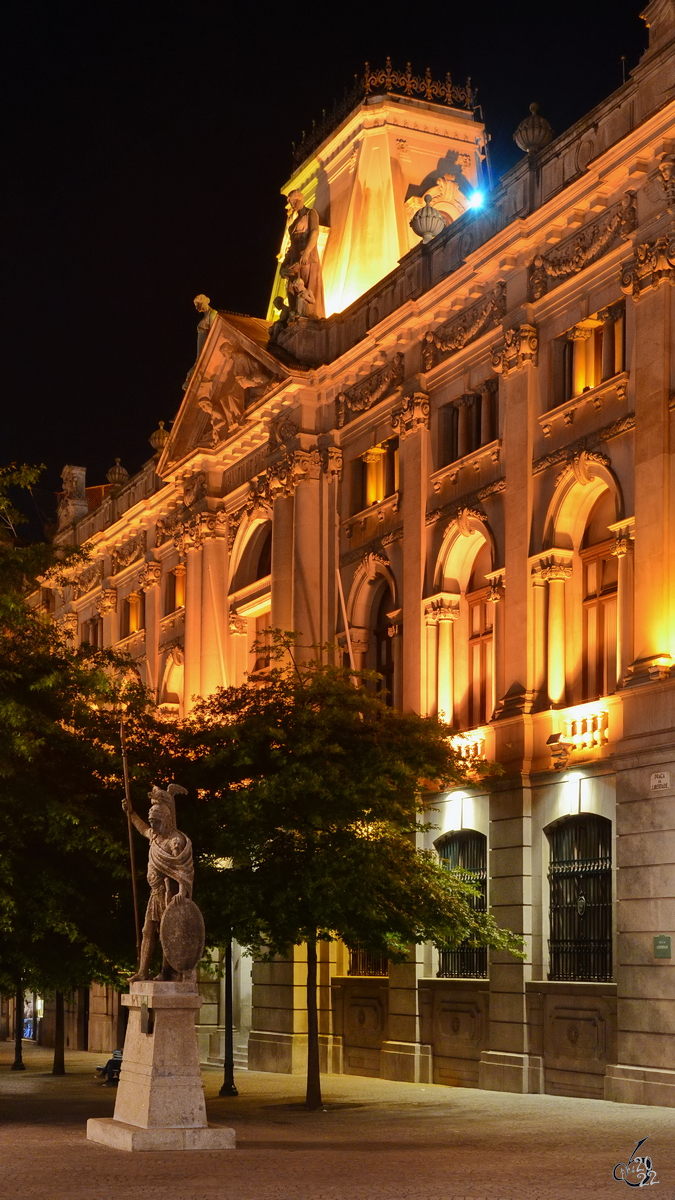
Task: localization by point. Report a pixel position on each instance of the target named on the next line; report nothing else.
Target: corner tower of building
(368, 177)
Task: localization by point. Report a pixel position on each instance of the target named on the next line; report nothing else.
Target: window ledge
(596, 396)
(491, 450)
(580, 987)
(379, 510)
(169, 619)
(132, 641)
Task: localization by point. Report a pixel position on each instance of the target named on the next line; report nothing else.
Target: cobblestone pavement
(373, 1140)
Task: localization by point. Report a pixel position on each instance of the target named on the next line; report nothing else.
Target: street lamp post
(228, 1088)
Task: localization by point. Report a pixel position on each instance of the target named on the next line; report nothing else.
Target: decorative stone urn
(427, 222)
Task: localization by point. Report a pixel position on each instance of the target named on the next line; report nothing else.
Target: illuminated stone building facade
(466, 475)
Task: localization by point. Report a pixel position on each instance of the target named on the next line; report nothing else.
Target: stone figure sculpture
(203, 305)
(171, 914)
(302, 257)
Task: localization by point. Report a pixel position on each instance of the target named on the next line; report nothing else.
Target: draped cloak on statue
(168, 860)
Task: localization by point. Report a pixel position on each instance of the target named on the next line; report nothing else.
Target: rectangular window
(375, 475)
(600, 569)
(466, 850)
(480, 657)
(174, 589)
(580, 914)
(132, 616)
(588, 354)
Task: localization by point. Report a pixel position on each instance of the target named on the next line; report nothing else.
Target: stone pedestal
(160, 1098)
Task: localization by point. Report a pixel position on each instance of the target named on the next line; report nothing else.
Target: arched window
(600, 575)
(264, 566)
(480, 640)
(384, 651)
(580, 910)
(467, 850)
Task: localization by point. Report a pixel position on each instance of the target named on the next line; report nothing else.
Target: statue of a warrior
(170, 875)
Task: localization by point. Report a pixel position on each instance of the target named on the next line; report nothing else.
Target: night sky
(144, 151)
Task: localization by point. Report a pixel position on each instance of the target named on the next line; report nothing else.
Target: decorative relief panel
(128, 552)
(519, 347)
(654, 263)
(578, 251)
(362, 396)
(464, 328)
(88, 579)
(411, 414)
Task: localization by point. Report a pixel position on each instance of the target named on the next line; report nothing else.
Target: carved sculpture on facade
(166, 525)
(171, 914)
(124, 555)
(150, 576)
(520, 345)
(73, 502)
(330, 458)
(195, 488)
(282, 432)
(667, 179)
(411, 414)
(90, 578)
(301, 267)
(107, 602)
(654, 263)
(464, 328)
(362, 396)
(240, 381)
(281, 478)
(583, 248)
(192, 534)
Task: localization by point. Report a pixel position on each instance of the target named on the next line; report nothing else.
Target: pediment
(232, 374)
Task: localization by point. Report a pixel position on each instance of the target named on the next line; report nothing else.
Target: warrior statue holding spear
(171, 876)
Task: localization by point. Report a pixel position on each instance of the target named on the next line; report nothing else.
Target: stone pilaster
(411, 420)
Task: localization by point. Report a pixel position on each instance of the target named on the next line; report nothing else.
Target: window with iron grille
(363, 963)
(468, 851)
(580, 881)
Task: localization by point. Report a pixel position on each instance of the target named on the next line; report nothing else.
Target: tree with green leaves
(316, 788)
(65, 895)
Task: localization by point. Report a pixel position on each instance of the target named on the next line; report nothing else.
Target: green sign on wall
(662, 946)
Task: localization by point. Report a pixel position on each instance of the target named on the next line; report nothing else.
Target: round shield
(182, 935)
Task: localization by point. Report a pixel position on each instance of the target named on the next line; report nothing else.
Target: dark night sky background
(144, 149)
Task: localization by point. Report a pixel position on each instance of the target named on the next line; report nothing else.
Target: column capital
(107, 601)
(411, 414)
(519, 346)
(653, 264)
(444, 606)
(150, 576)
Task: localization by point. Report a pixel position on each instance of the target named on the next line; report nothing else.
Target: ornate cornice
(519, 347)
(411, 414)
(565, 454)
(375, 387)
(654, 263)
(442, 607)
(464, 328)
(466, 503)
(581, 249)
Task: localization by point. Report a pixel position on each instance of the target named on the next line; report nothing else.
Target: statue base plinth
(160, 1097)
(108, 1131)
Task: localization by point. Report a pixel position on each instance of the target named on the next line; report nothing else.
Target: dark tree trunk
(18, 1064)
(313, 1096)
(59, 1067)
(228, 1088)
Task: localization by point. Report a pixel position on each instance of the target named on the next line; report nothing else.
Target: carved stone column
(466, 405)
(515, 359)
(579, 336)
(150, 581)
(411, 421)
(488, 422)
(556, 574)
(215, 622)
(623, 551)
(192, 548)
(608, 355)
(107, 609)
(440, 612)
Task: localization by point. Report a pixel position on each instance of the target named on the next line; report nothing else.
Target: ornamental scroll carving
(654, 263)
(191, 535)
(107, 602)
(281, 478)
(411, 414)
(369, 391)
(88, 579)
(150, 576)
(578, 251)
(460, 330)
(520, 346)
(166, 526)
(127, 553)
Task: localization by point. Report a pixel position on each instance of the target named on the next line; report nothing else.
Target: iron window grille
(363, 963)
(580, 881)
(468, 851)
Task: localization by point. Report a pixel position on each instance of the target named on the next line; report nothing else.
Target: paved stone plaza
(374, 1140)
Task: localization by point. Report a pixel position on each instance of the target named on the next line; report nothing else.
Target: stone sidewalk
(373, 1140)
